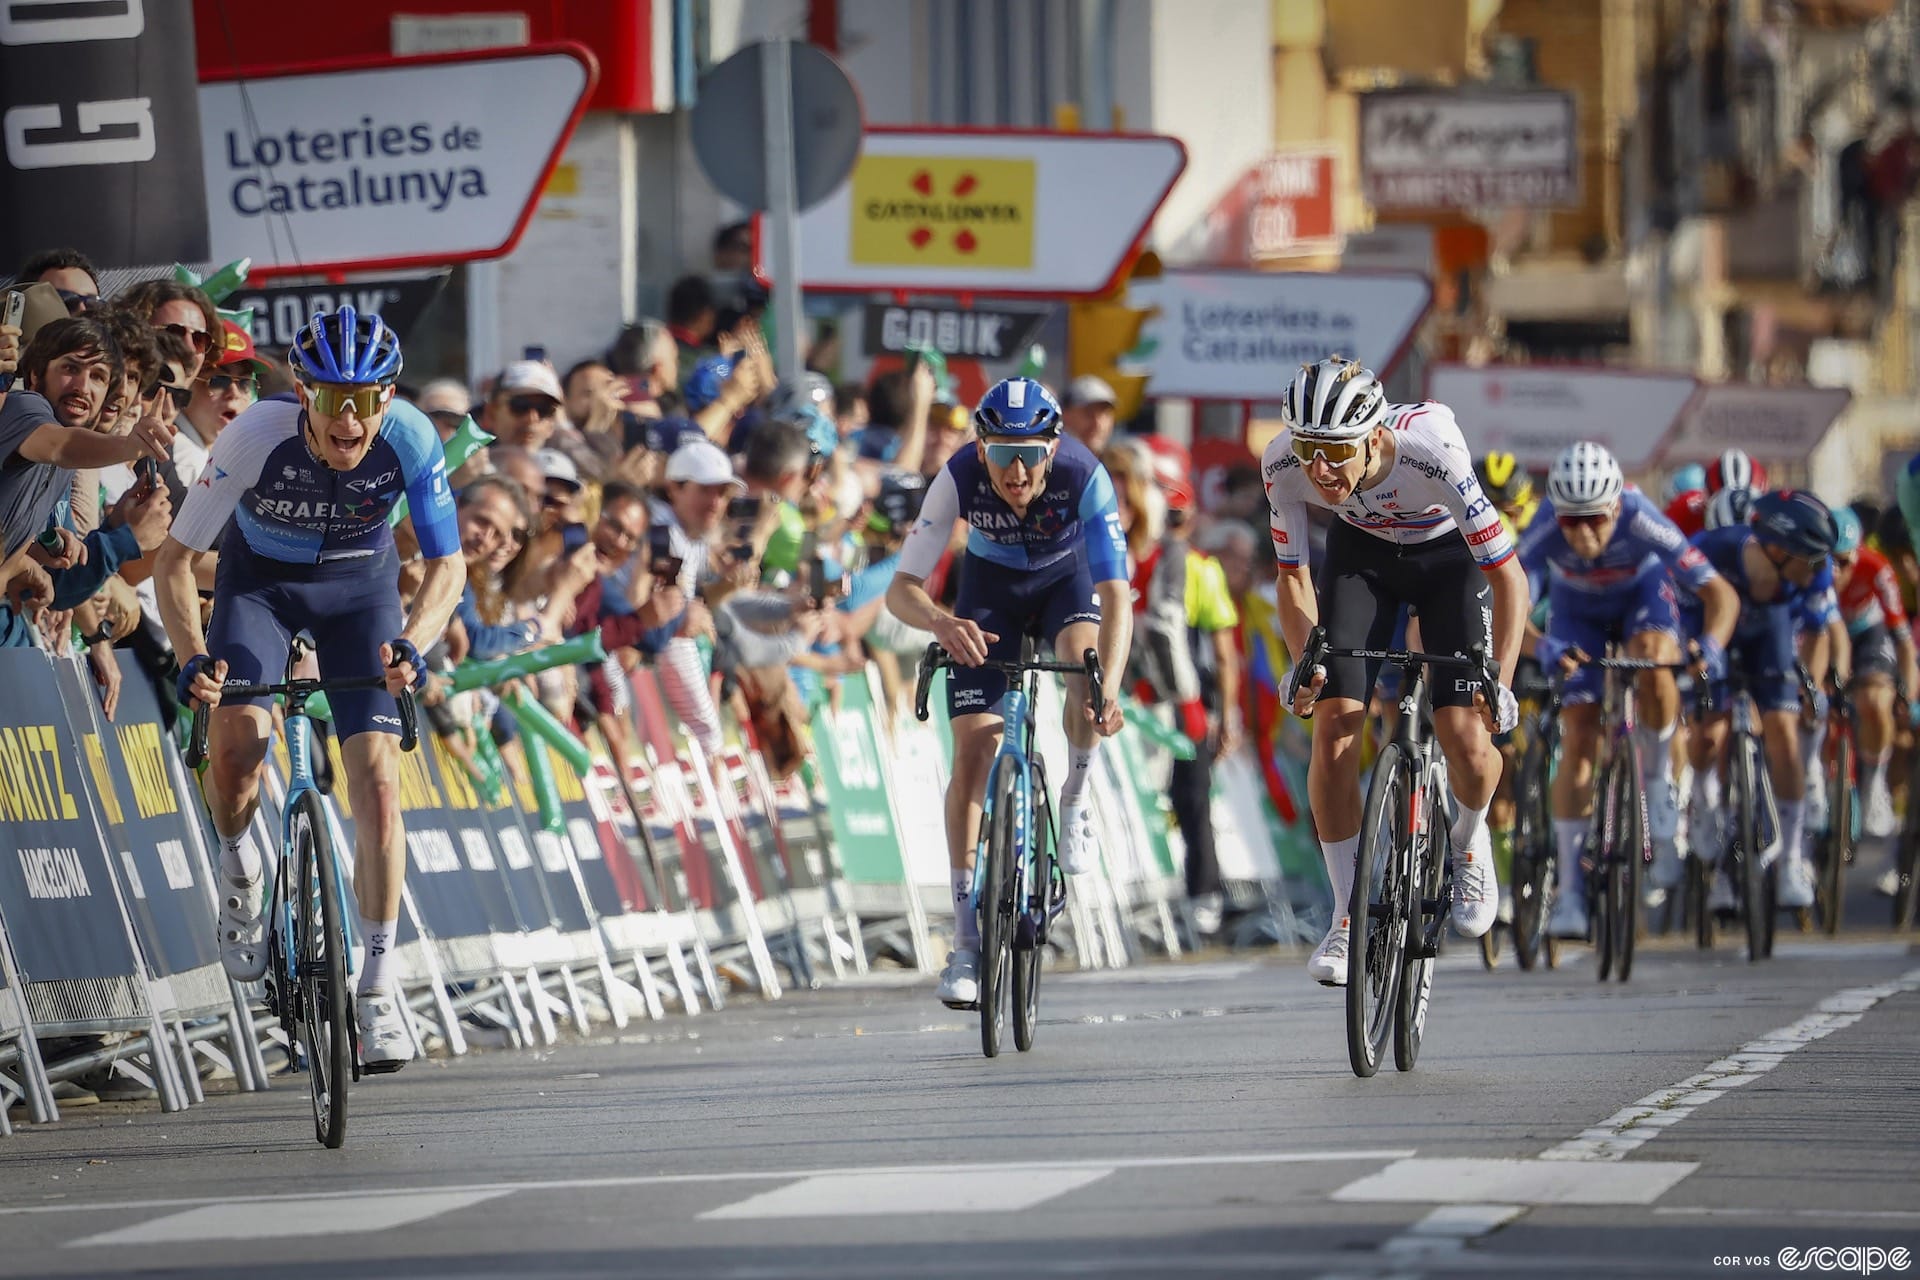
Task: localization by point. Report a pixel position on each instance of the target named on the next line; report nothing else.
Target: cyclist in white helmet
(1607, 558)
(1413, 531)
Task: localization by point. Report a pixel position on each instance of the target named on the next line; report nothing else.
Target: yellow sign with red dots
(942, 211)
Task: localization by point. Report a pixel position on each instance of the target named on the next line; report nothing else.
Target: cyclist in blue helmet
(296, 493)
(1044, 554)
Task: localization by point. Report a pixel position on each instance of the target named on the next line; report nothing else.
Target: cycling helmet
(808, 389)
(346, 348)
(1729, 507)
(1795, 521)
(1846, 538)
(1333, 399)
(1017, 407)
(702, 386)
(1735, 470)
(901, 493)
(1585, 480)
(1503, 480)
(1692, 478)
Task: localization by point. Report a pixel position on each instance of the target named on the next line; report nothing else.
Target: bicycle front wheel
(1753, 877)
(1377, 913)
(320, 963)
(1029, 946)
(1533, 855)
(1907, 857)
(1630, 853)
(1429, 885)
(1838, 844)
(997, 907)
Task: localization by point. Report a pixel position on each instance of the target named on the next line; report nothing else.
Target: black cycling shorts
(1366, 585)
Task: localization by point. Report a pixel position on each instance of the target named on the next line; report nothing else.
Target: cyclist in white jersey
(1413, 531)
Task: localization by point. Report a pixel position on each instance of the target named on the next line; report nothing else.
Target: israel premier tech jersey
(1077, 510)
(286, 505)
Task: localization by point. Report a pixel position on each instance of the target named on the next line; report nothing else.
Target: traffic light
(1103, 331)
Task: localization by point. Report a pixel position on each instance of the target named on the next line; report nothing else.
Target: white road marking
(1516, 1182)
(310, 1216)
(1639, 1123)
(928, 1191)
(1164, 976)
(755, 1175)
(1889, 1215)
(1447, 1229)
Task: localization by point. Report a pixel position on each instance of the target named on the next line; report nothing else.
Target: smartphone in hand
(661, 561)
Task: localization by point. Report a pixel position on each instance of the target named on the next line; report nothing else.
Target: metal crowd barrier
(644, 895)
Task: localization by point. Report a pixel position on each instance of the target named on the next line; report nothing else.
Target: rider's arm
(1720, 604)
(1840, 650)
(434, 602)
(926, 542)
(1107, 565)
(1511, 604)
(231, 469)
(179, 598)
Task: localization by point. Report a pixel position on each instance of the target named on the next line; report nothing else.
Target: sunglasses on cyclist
(1333, 451)
(539, 406)
(181, 396)
(1030, 455)
(78, 303)
(197, 337)
(1593, 521)
(331, 402)
(227, 381)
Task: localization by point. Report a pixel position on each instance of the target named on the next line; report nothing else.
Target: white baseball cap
(702, 462)
(555, 465)
(531, 375)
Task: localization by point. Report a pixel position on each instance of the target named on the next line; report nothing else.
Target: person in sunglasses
(1778, 565)
(1608, 559)
(297, 492)
(181, 309)
(1045, 552)
(1413, 530)
(70, 272)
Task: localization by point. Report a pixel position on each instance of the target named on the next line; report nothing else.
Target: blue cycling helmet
(1846, 539)
(1688, 479)
(1795, 521)
(346, 348)
(702, 387)
(1017, 407)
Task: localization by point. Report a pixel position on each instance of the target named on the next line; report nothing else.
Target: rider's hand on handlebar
(963, 639)
(1550, 653)
(1504, 714)
(201, 681)
(402, 665)
(1308, 691)
(1109, 723)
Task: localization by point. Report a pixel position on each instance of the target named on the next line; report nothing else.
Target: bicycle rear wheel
(1605, 837)
(320, 961)
(996, 908)
(1752, 876)
(1630, 853)
(1416, 979)
(1837, 845)
(1532, 856)
(1907, 862)
(1377, 913)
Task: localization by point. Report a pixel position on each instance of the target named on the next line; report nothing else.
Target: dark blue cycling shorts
(1010, 603)
(352, 607)
(1763, 650)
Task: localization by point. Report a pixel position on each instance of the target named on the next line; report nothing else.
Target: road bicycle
(1403, 875)
(309, 931)
(1751, 828)
(1018, 886)
(1840, 775)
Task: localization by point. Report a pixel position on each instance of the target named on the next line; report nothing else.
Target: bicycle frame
(1016, 710)
(299, 732)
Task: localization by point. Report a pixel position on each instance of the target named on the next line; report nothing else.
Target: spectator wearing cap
(1086, 412)
(70, 272)
(227, 385)
(524, 407)
(181, 309)
(699, 483)
(720, 392)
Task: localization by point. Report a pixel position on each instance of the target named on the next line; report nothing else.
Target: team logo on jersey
(362, 509)
(372, 483)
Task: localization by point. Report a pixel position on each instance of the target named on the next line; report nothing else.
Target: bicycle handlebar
(936, 658)
(301, 690)
(1478, 660)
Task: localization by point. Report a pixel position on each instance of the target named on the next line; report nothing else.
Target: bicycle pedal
(381, 1068)
(963, 1006)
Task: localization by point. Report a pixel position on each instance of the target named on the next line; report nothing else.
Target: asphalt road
(1182, 1120)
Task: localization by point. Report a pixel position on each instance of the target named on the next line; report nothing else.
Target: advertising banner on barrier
(628, 854)
(1774, 424)
(594, 859)
(56, 890)
(145, 820)
(451, 865)
(849, 755)
(1535, 411)
(549, 849)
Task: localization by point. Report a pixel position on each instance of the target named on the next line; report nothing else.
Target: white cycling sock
(239, 860)
(966, 921)
(1874, 781)
(1656, 754)
(1470, 828)
(380, 939)
(1706, 794)
(1339, 856)
(1569, 837)
(1793, 828)
(1079, 769)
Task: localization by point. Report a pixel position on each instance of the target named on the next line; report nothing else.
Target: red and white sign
(1774, 424)
(386, 162)
(993, 212)
(1282, 207)
(1535, 411)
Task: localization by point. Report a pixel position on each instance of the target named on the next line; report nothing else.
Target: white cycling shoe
(1569, 919)
(960, 981)
(1796, 883)
(1879, 821)
(243, 928)
(1079, 846)
(385, 1043)
(1476, 892)
(1328, 965)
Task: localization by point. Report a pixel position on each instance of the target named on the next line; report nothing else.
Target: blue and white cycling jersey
(289, 506)
(1644, 542)
(1076, 511)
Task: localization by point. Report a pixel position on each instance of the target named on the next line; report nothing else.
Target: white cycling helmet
(1585, 480)
(1333, 399)
(1730, 507)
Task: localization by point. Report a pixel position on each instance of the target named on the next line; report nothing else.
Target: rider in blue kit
(296, 493)
(1045, 554)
